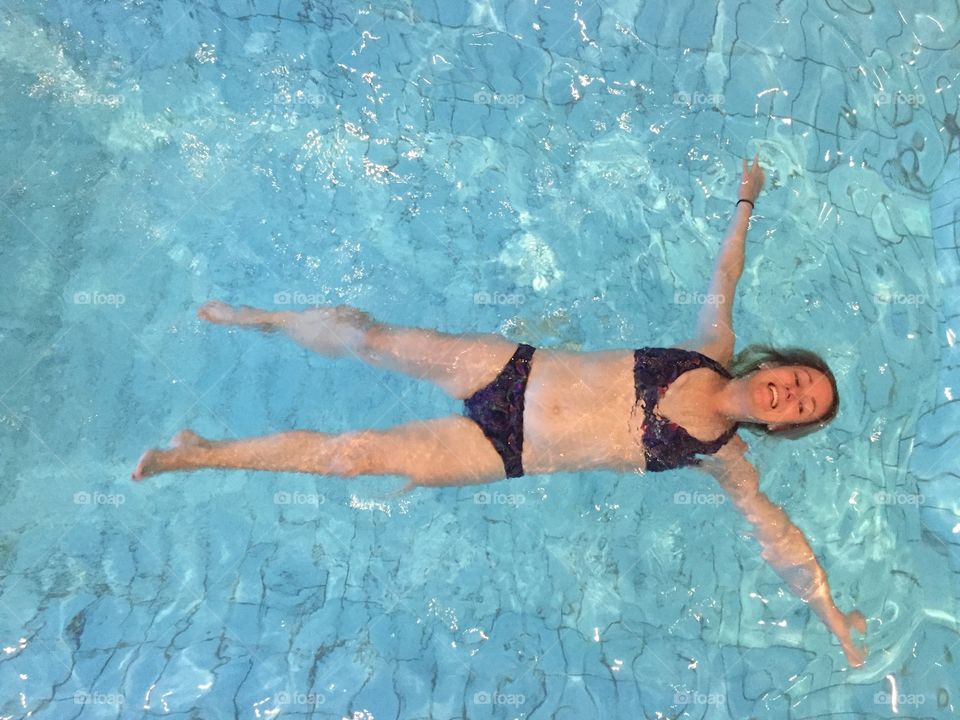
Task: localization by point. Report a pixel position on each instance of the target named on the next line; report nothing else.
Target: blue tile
(946, 192)
(945, 214)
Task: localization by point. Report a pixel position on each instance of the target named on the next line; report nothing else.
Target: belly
(578, 412)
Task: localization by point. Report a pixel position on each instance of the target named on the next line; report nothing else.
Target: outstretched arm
(715, 336)
(784, 545)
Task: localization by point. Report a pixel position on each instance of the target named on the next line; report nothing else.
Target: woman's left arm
(784, 545)
(715, 336)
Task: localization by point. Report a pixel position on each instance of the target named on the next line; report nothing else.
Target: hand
(856, 654)
(752, 181)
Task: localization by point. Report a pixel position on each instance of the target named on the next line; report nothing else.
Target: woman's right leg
(443, 451)
(460, 364)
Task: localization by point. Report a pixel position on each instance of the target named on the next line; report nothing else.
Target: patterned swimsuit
(498, 408)
(666, 444)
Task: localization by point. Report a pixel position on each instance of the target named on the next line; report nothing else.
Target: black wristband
(745, 200)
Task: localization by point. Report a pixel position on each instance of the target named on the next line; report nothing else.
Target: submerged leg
(294, 451)
(330, 331)
(444, 451)
(459, 364)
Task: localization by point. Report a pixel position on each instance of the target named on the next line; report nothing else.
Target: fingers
(744, 166)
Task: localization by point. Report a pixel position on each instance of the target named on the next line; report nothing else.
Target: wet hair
(752, 357)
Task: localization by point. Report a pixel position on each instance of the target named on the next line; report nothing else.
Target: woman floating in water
(530, 412)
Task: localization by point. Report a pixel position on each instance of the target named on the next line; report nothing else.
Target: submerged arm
(784, 546)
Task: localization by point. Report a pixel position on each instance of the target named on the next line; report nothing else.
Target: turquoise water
(575, 163)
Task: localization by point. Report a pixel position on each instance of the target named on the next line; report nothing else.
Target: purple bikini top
(666, 444)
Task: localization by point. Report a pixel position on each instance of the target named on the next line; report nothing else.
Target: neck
(730, 401)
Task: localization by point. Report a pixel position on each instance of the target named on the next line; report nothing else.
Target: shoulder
(734, 450)
(720, 352)
(717, 351)
(728, 459)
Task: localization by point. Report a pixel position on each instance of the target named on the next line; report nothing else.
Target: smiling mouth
(774, 395)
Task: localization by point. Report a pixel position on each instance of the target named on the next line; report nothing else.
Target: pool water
(561, 173)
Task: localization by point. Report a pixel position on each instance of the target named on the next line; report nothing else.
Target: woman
(540, 411)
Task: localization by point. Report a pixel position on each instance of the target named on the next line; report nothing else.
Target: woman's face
(788, 394)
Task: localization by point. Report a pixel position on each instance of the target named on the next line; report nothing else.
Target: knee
(373, 340)
(351, 455)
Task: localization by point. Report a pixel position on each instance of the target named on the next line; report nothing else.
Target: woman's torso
(581, 411)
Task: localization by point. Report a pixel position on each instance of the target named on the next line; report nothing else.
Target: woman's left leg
(458, 363)
(444, 451)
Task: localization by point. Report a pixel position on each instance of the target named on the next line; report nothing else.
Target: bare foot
(856, 654)
(220, 313)
(155, 460)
